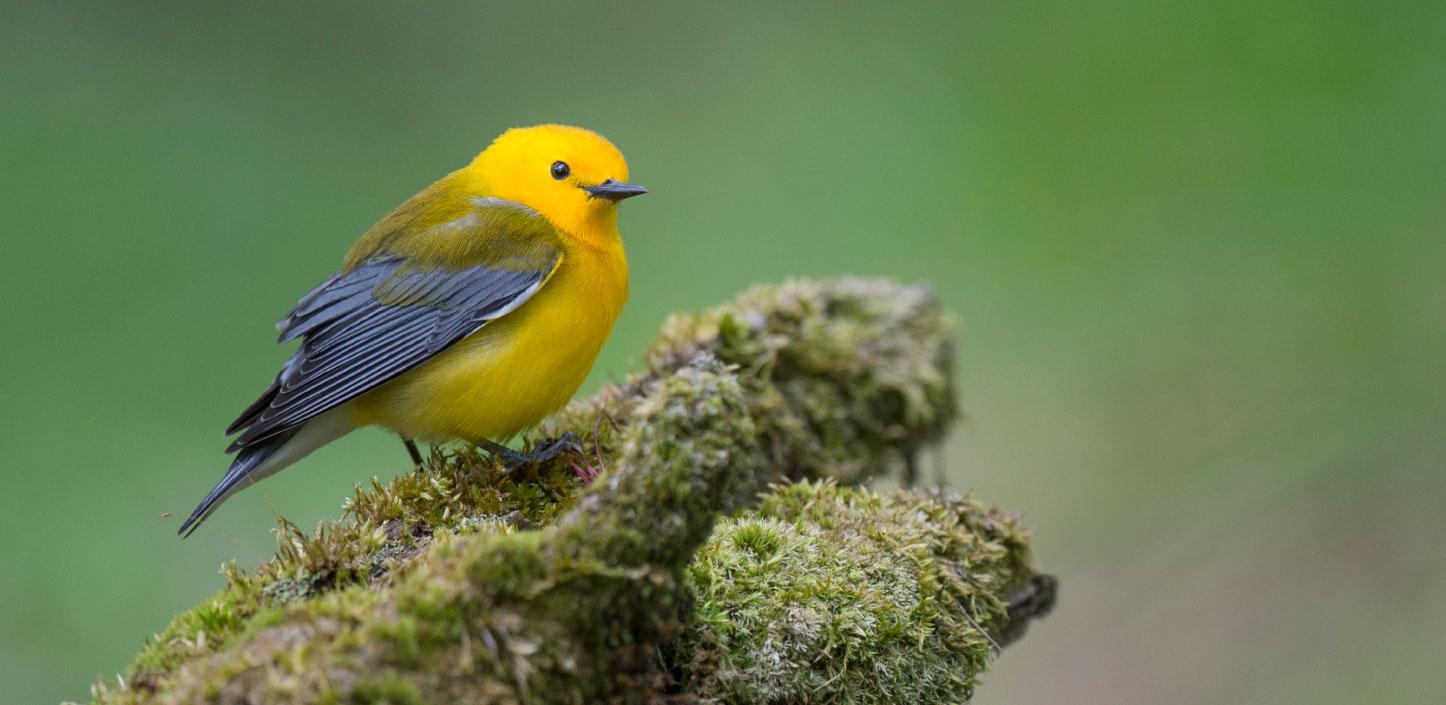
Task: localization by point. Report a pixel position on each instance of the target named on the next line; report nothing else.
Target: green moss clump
(460, 581)
(387, 526)
(571, 612)
(848, 378)
(197, 631)
(840, 595)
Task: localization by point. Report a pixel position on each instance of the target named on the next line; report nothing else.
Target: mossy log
(461, 582)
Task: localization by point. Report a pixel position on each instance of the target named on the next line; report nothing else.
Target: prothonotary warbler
(470, 312)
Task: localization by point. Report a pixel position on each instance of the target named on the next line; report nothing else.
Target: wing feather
(387, 314)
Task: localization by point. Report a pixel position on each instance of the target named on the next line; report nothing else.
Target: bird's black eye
(560, 170)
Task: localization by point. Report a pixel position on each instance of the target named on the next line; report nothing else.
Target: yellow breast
(517, 369)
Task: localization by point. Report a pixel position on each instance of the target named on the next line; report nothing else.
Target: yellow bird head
(573, 177)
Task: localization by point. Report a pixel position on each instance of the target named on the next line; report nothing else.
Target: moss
(385, 691)
(459, 581)
(837, 594)
(847, 378)
(195, 632)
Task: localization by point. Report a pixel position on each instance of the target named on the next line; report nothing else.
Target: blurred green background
(1196, 250)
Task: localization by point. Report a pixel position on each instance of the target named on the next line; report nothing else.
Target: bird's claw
(585, 471)
(543, 452)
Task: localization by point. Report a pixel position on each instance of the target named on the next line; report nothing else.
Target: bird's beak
(614, 190)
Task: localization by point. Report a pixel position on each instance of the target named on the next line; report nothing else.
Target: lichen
(462, 581)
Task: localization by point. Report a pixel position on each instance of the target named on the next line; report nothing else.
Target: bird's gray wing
(365, 326)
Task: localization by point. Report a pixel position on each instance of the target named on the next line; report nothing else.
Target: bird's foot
(543, 452)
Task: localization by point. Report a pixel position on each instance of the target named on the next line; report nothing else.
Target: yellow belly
(517, 369)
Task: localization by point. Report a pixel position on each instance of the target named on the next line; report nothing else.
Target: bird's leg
(546, 450)
(510, 458)
(412, 451)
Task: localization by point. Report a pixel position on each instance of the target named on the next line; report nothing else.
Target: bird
(470, 312)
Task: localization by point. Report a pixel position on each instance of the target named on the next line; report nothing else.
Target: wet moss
(460, 581)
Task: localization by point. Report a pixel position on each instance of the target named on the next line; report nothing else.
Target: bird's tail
(258, 461)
